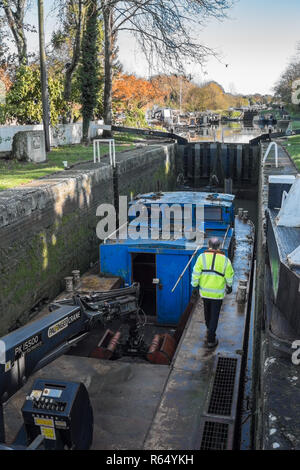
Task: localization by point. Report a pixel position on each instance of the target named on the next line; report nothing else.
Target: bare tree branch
(163, 30)
(14, 12)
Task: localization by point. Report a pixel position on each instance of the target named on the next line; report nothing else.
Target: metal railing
(272, 144)
(115, 232)
(112, 150)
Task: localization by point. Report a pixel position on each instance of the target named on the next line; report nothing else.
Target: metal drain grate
(215, 436)
(223, 387)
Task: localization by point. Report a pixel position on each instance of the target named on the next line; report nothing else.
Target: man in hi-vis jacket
(213, 275)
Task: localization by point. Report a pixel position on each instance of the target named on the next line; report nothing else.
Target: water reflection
(233, 132)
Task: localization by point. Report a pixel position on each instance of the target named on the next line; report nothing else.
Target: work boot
(214, 344)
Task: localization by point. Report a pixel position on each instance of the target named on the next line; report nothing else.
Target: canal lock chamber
(180, 374)
(214, 167)
(233, 168)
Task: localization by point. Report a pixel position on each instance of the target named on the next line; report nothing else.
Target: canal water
(232, 132)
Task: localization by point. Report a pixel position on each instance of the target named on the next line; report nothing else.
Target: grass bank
(275, 113)
(295, 116)
(14, 173)
(292, 145)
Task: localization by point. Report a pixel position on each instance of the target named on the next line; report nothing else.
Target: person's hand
(195, 293)
(228, 289)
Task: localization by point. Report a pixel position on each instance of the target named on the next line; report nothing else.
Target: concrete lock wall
(62, 134)
(156, 171)
(48, 227)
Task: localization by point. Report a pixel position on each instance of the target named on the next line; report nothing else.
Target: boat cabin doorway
(144, 272)
(157, 273)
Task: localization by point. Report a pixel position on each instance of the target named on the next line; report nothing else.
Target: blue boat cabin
(155, 253)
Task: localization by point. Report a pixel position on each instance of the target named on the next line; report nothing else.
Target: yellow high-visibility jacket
(212, 272)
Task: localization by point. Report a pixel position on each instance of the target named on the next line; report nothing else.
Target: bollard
(228, 185)
(69, 283)
(76, 277)
(241, 295)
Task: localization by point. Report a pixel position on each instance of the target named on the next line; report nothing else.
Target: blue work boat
(151, 385)
(157, 264)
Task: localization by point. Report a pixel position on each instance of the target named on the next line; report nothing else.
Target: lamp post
(180, 95)
(44, 78)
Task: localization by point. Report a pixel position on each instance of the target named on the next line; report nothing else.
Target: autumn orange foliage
(5, 78)
(132, 92)
(170, 86)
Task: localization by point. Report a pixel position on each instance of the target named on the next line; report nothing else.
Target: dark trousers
(212, 309)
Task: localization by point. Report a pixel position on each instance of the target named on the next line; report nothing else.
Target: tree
(66, 40)
(169, 87)
(131, 92)
(196, 99)
(24, 100)
(131, 96)
(4, 77)
(3, 44)
(14, 11)
(211, 96)
(89, 78)
(283, 87)
(5, 85)
(163, 30)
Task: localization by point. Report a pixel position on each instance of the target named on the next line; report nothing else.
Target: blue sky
(257, 41)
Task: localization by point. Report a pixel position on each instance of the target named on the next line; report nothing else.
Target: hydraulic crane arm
(28, 349)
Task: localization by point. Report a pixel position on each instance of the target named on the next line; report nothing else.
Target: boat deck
(123, 395)
(179, 420)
